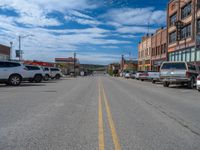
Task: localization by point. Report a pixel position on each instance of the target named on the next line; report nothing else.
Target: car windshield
(32, 68)
(178, 66)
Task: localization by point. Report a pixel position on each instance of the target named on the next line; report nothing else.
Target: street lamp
(20, 51)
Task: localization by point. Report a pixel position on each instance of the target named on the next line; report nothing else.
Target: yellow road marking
(111, 122)
(101, 131)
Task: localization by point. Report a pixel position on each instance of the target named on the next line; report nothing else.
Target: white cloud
(34, 15)
(135, 16)
(34, 12)
(50, 40)
(83, 21)
(80, 15)
(135, 29)
(81, 18)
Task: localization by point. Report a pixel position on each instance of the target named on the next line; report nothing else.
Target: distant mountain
(93, 67)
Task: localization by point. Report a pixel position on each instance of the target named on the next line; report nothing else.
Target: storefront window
(173, 57)
(183, 56)
(170, 57)
(188, 56)
(176, 57)
(180, 56)
(198, 55)
(192, 55)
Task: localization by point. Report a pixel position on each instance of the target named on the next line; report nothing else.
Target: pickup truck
(179, 73)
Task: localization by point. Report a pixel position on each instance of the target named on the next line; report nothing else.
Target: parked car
(55, 73)
(137, 75)
(154, 76)
(36, 73)
(47, 73)
(127, 75)
(144, 76)
(132, 75)
(179, 73)
(12, 73)
(198, 83)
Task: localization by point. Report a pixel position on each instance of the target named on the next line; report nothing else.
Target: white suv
(47, 73)
(12, 73)
(36, 73)
(55, 73)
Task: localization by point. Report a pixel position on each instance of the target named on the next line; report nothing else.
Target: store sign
(179, 26)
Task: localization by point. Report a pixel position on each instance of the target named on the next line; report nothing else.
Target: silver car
(198, 83)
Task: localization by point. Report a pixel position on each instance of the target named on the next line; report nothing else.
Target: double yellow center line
(115, 139)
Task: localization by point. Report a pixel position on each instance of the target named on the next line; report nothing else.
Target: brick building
(158, 48)
(182, 43)
(144, 54)
(4, 52)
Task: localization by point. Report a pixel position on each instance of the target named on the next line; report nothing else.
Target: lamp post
(20, 51)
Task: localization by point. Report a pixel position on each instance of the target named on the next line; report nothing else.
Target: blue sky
(99, 31)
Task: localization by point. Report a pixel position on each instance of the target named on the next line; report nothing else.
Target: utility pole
(20, 53)
(74, 64)
(122, 63)
(11, 45)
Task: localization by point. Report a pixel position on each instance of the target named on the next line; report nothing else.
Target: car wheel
(38, 78)
(153, 81)
(182, 84)
(46, 77)
(191, 84)
(142, 80)
(166, 84)
(57, 76)
(14, 80)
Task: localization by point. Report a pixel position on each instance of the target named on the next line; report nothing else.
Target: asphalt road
(97, 113)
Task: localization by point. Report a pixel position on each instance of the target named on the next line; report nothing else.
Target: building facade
(114, 69)
(144, 54)
(68, 65)
(158, 48)
(4, 52)
(183, 30)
